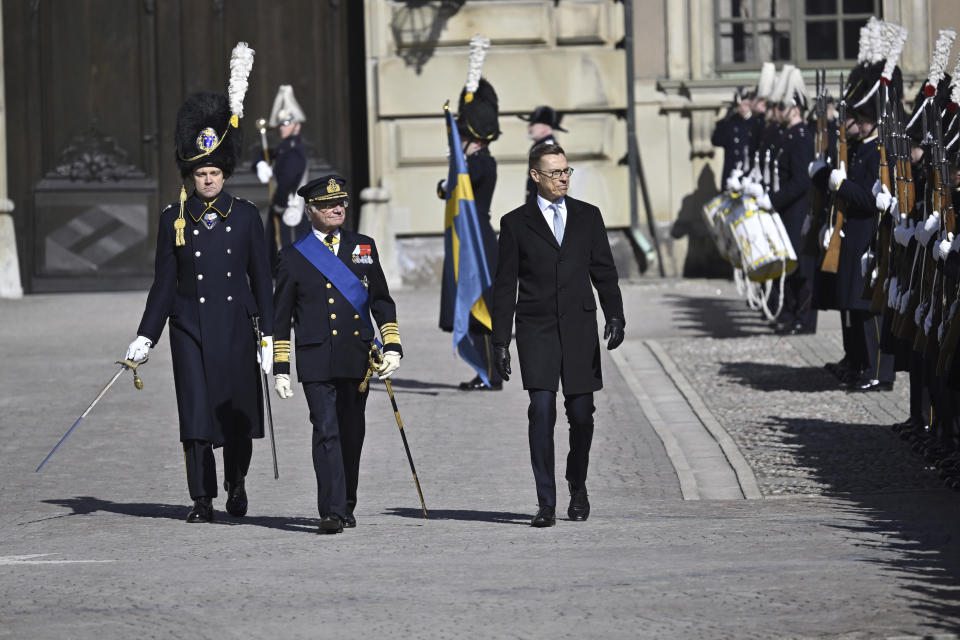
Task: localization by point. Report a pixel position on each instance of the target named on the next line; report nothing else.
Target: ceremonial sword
(266, 397)
(375, 359)
(137, 382)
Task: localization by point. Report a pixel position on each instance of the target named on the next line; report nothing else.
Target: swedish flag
(465, 269)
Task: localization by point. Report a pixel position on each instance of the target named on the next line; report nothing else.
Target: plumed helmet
(205, 134)
(286, 109)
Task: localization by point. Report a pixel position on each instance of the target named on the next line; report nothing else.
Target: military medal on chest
(362, 254)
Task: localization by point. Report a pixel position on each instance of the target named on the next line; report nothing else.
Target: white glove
(293, 213)
(928, 322)
(139, 349)
(865, 262)
(264, 172)
(733, 183)
(884, 199)
(837, 176)
(265, 354)
(764, 202)
(919, 312)
(807, 222)
(929, 227)
(391, 362)
(281, 382)
(942, 250)
(814, 167)
(892, 292)
(875, 189)
(752, 189)
(903, 231)
(826, 232)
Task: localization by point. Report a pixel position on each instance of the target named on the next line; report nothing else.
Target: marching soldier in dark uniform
(735, 134)
(211, 276)
(553, 248)
(478, 124)
(329, 283)
(543, 121)
(287, 167)
(792, 202)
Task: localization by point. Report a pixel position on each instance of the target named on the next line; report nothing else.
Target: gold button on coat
(329, 286)
(356, 317)
(356, 333)
(334, 332)
(333, 316)
(330, 300)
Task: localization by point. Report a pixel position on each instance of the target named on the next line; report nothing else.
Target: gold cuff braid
(390, 333)
(281, 351)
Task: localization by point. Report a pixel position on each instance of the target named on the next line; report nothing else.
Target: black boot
(579, 508)
(236, 498)
(202, 510)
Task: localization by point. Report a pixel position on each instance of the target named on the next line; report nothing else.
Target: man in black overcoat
(329, 304)
(553, 248)
(211, 276)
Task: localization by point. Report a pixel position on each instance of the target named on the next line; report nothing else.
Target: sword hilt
(374, 360)
(130, 364)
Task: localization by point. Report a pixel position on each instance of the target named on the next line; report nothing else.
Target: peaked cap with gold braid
(207, 132)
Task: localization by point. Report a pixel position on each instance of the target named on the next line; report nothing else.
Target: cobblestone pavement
(859, 544)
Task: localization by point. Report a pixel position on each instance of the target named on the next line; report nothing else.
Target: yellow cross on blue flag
(465, 268)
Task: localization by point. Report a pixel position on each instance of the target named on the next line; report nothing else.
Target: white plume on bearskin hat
(768, 73)
(780, 87)
(286, 109)
(479, 110)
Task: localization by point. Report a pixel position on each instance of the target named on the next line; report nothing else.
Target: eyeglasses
(327, 206)
(556, 173)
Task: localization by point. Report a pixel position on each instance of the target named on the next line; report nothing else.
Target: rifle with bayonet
(821, 143)
(877, 269)
(929, 304)
(831, 259)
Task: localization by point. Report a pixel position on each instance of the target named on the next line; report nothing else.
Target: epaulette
(169, 206)
(245, 201)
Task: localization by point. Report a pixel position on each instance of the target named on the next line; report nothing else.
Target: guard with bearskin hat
(211, 277)
(478, 124)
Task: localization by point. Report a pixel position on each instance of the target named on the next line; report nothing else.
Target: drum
(762, 240)
(715, 212)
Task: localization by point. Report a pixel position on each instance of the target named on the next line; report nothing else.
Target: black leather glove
(501, 360)
(614, 331)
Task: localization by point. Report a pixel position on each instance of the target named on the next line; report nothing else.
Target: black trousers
(866, 329)
(338, 416)
(798, 309)
(202, 467)
(542, 416)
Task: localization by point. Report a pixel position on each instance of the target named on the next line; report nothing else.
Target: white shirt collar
(323, 236)
(545, 204)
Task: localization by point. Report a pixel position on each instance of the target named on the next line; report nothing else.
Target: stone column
(9, 266)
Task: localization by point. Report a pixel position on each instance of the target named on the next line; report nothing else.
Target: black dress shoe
(349, 521)
(236, 498)
(331, 524)
(579, 508)
(801, 329)
(477, 384)
(202, 511)
(546, 517)
(870, 384)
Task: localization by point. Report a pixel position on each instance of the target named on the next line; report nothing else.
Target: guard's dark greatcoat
(332, 341)
(556, 313)
(860, 219)
(736, 135)
(209, 289)
(289, 159)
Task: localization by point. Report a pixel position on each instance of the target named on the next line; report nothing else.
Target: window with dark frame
(802, 32)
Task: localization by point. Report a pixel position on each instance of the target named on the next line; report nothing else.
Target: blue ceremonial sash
(339, 274)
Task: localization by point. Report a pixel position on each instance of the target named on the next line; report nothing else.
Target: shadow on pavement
(85, 505)
(717, 317)
(896, 503)
(779, 377)
(468, 515)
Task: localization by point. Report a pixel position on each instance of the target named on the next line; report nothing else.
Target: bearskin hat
(478, 112)
(204, 135)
